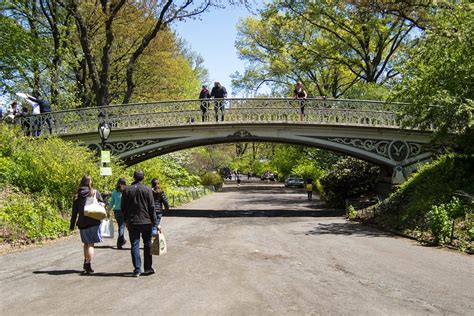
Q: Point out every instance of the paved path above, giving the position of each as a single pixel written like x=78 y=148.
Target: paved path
x=260 y=250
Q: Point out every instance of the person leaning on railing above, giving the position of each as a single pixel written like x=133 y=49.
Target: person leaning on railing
x=219 y=92
x=204 y=95
x=300 y=94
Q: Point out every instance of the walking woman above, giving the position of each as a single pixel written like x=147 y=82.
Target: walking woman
x=115 y=204
x=89 y=227
x=161 y=201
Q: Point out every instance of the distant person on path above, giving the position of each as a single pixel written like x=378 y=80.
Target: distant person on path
x=300 y=94
x=219 y=92
x=89 y=227
x=161 y=202
x=116 y=205
x=309 y=188
x=248 y=175
x=239 y=179
x=204 y=95
x=138 y=209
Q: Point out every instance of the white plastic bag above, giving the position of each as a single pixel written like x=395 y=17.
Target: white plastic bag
x=107 y=228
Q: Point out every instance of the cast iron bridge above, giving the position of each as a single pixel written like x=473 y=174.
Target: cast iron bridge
x=369 y=130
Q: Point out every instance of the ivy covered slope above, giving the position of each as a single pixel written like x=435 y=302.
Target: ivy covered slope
x=38 y=179
x=432 y=203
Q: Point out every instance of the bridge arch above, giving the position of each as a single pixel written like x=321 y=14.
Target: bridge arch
x=399 y=151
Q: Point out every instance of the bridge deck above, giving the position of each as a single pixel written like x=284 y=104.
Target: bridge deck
x=238 y=110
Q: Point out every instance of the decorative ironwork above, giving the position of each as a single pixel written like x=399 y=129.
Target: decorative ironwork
x=244 y=110
x=396 y=150
x=240 y=134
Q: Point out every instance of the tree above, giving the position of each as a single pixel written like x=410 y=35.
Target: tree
x=328 y=45
x=438 y=77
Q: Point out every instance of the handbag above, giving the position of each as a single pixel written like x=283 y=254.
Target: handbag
x=159 y=247
x=93 y=208
x=107 y=228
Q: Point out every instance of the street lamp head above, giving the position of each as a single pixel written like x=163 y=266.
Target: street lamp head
x=104 y=131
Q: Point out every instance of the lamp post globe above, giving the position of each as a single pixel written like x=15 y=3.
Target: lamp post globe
x=104 y=132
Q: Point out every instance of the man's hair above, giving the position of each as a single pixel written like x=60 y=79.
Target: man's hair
x=154 y=182
x=138 y=175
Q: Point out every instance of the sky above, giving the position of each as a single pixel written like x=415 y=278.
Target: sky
x=213 y=37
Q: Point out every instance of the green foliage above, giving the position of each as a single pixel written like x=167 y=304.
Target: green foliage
x=169 y=171
x=212 y=179
x=438 y=77
x=439 y=223
x=46 y=174
x=351 y=212
x=28 y=217
x=328 y=46
x=350 y=178
x=434 y=185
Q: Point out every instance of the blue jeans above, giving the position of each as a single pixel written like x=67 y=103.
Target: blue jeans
x=121 y=225
x=134 y=232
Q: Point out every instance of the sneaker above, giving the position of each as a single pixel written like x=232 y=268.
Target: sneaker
x=136 y=274
x=149 y=271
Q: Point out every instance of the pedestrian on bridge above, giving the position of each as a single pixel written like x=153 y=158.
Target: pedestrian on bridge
x=116 y=204
x=89 y=227
x=219 y=92
x=138 y=210
x=204 y=95
x=300 y=94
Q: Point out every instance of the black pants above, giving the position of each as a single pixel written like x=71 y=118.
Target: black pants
x=219 y=106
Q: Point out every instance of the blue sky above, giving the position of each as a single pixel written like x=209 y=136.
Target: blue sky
x=213 y=37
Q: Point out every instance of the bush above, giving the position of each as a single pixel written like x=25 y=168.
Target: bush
x=212 y=179
x=350 y=178
x=439 y=223
x=351 y=212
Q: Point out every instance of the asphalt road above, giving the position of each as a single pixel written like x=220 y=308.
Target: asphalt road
x=259 y=250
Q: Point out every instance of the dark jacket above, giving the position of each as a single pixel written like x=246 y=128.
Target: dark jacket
x=138 y=206
x=160 y=201
x=78 y=209
x=43 y=104
x=204 y=94
x=219 y=92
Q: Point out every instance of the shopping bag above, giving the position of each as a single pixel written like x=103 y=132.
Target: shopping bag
x=158 y=246
x=94 y=209
x=107 y=228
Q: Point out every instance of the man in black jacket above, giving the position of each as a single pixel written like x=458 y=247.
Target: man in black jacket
x=139 y=214
x=219 y=92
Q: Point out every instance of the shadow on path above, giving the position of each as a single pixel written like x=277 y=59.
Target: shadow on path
x=347 y=229
x=254 y=213
x=96 y=274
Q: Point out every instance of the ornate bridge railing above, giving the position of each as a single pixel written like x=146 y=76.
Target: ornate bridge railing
x=242 y=110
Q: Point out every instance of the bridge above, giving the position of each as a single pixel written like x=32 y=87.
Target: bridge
x=369 y=130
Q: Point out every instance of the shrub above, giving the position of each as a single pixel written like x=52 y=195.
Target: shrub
x=350 y=178
x=439 y=223
x=351 y=212
x=212 y=179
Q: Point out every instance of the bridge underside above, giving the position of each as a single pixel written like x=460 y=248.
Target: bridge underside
x=401 y=151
